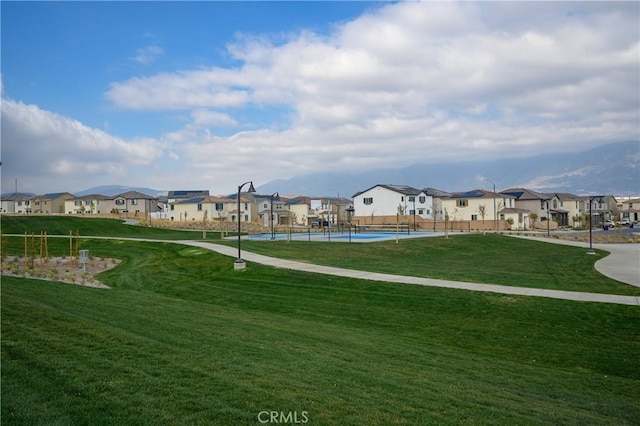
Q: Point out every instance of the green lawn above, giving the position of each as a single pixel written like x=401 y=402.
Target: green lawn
x=490 y=259
x=62 y=225
x=181 y=338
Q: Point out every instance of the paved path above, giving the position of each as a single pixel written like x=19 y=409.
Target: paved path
x=329 y=270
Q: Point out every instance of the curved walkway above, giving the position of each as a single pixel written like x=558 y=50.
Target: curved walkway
x=350 y=273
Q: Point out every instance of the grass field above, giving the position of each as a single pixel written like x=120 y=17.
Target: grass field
x=181 y=338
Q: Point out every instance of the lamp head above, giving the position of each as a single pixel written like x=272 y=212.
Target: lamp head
x=251 y=188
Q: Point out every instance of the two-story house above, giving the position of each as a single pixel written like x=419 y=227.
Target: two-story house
x=478 y=205
x=134 y=202
x=89 y=204
x=204 y=208
x=16 y=203
x=300 y=212
x=391 y=200
x=52 y=203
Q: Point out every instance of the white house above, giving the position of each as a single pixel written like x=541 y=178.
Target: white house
x=389 y=200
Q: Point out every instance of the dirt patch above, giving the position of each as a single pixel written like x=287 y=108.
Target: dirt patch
x=60 y=269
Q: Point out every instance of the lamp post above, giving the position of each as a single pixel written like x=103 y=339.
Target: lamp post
x=239 y=263
x=273 y=235
x=349 y=211
x=548 y=218
x=591 y=198
x=495 y=213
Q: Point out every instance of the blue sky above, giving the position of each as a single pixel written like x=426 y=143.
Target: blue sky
x=175 y=95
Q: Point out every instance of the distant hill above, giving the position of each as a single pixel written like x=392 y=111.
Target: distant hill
x=112 y=190
x=608 y=169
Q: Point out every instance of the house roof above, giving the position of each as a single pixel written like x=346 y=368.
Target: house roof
x=92 y=197
x=18 y=196
x=433 y=192
x=565 y=196
x=134 y=194
x=525 y=194
x=508 y=210
x=52 y=196
x=478 y=193
x=187 y=193
x=299 y=200
x=401 y=189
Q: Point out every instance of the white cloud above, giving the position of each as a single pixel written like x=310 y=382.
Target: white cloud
x=148 y=54
x=408 y=82
x=46 y=150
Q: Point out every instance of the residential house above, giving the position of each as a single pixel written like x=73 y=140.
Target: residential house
x=329 y=209
x=204 y=208
x=299 y=210
x=629 y=208
x=478 y=205
x=89 y=204
x=391 y=200
x=172 y=197
x=272 y=208
x=16 y=203
x=566 y=209
x=52 y=203
x=600 y=208
x=135 y=202
x=437 y=196
x=535 y=202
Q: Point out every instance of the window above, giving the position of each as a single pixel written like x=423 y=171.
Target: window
x=462 y=203
x=422 y=199
x=77 y=203
x=172 y=207
x=402 y=198
x=219 y=206
x=367 y=201
x=474 y=217
x=501 y=216
x=421 y=211
x=428 y=211
x=246 y=217
x=265 y=205
x=412 y=212
x=555 y=204
x=200 y=207
x=412 y=198
x=246 y=206
x=134 y=202
x=119 y=202
x=87 y=202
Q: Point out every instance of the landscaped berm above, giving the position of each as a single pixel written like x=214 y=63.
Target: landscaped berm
x=181 y=338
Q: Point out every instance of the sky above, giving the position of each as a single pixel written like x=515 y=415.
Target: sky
x=209 y=95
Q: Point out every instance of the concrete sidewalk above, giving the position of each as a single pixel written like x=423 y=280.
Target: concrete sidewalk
x=329 y=270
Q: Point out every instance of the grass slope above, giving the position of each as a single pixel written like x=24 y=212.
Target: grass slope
x=183 y=339
x=62 y=225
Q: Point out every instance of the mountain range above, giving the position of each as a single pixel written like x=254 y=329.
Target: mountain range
x=608 y=169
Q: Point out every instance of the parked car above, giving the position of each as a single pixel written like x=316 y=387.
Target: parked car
x=608 y=224
x=624 y=222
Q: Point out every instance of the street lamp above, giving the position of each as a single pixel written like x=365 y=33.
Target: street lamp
x=591 y=198
x=273 y=235
x=495 y=213
x=239 y=263
x=349 y=211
